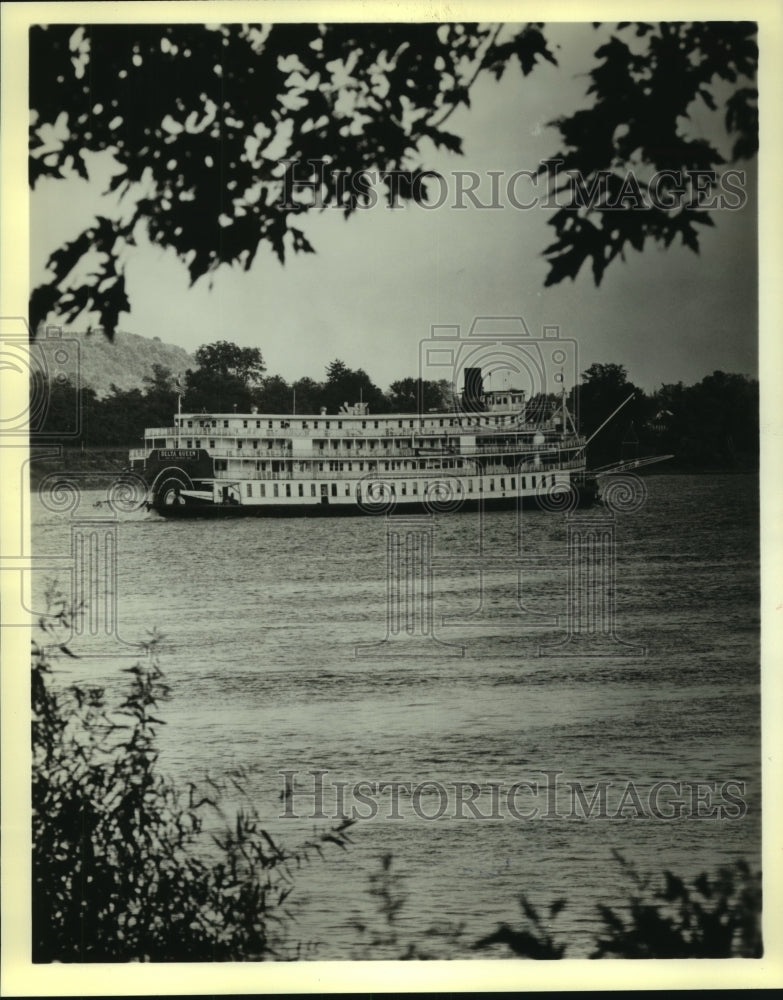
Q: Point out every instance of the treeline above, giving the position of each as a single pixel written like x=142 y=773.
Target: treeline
x=713 y=424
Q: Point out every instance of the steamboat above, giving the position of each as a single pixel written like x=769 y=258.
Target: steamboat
x=491 y=451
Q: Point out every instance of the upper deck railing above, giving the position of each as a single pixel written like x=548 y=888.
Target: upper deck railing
x=266 y=433
x=257 y=454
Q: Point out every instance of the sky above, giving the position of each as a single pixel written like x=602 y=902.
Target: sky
x=383 y=278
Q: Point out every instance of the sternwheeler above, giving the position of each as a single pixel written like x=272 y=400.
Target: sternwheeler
x=492 y=451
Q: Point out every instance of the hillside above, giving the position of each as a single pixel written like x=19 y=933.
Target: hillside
x=125 y=360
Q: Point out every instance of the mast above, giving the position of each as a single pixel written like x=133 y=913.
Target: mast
x=612 y=414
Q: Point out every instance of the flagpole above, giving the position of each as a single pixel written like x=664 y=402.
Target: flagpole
x=179 y=414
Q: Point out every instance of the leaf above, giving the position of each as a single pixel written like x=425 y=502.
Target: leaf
x=556 y=907
x=441 y=139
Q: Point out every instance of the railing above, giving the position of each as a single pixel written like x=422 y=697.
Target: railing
x=251 y=453
x=416 y=454
x=370 y=432
x=357 y=474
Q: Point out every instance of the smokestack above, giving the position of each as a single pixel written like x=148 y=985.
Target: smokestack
x=471 y=394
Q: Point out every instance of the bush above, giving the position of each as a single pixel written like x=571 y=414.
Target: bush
x=119 y=868
x=717 y=916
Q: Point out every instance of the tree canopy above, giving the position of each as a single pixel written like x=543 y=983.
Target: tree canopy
x=227 y=376
x=207 y=123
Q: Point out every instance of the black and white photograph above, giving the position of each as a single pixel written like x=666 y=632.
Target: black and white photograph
x=389 y=496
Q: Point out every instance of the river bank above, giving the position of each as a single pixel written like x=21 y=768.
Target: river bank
x=92 y=465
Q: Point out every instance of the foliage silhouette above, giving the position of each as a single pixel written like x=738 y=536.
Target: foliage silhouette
x=647 y=78
x=212 y=127
x=531 y=941
x=716 y=916
x=383 y=938
x=119 y=868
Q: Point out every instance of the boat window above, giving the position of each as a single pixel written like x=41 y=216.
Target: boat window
x=524 y=483
x=214 y=423
x=347 y=489
x=328 y=424
x=534 y=481
x=288 y=489
x=198 y=442
x=334 y=489
x=312 y=489
x=188 y=444
x=250 y=489
x=258 y=423
x=513 y=483
x=244 y=423
x=190 y=423
x=255 y=443
x=492 y=484
x=275 y=489
x=262 y=489
x=502 y=484
x=339 y=425
x=225 y=423
x=211 y=444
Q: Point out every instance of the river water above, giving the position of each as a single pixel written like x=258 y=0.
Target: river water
x=262 y=620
